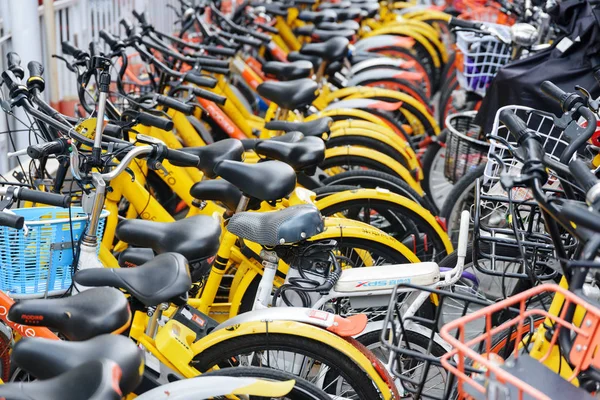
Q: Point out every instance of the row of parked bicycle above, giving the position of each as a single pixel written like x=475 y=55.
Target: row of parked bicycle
x=299 y=200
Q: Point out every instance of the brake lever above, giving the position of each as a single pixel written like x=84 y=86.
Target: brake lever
x=594 y=105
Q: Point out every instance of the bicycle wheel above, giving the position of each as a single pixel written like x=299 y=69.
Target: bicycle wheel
x=377 y=179
x=322 y=365
x=303 y=390
x=411 y=367
x=434 y=182
x=369 y=143
x=461 y=197
x=403 y=223
x=337 y=164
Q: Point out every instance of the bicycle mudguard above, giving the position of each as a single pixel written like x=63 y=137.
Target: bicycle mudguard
x=288 y=327
x=380 y=62
x=383 y=73
x=389 y=162
x=383 y=41
x=402 y=201
x=340 y=114
x=204 y=387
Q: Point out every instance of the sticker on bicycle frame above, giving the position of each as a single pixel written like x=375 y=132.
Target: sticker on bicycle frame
x=317 y=314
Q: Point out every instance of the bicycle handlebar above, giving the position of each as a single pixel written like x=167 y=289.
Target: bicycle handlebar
x=36 y=196
x=169 y=102
x=461 y=23
x=155 y=121
x=586 y=179
x=35 y=68
x=11 y=220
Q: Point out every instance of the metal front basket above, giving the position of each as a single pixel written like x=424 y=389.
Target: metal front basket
x=482 y=56
x=413 y=345
x=506 y=360
x=510 y=238
x=464 y=148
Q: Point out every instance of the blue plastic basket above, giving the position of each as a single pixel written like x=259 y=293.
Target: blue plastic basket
x=39 y=264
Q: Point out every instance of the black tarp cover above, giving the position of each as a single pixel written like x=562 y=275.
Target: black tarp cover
x=519 y=82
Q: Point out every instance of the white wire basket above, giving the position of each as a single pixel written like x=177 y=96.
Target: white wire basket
x=482 y=56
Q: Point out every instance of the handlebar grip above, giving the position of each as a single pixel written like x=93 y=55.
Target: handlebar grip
x=37 y=151
x=199 y=80
x=95 y=49
x=140 y=17
x=36 y=196
x=157 y=122
x=553 y=91
x=182 y=159
x=69 y=49
x=126 y=23
x=215 y=70
x=212 y=62
x=205 y=94
x=110 y=39
x=514 y=124
x=582 y=174
x=112 y=130
x=246 y=40
x=267 y=28
x=13 y=60
x=223 y=51
x=35 y=69
x=11 y=220
x=170 y=102
x=461 y=23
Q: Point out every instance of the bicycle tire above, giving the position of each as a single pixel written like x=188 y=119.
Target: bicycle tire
x=370 y=143
x=303 y=390
x=377 y=179
x=404 y=216
x=433 y=155
x=222 y=354
x=416 y=342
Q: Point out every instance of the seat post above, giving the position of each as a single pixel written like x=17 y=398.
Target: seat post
x=281 y=114
x=153 y=323
x=321 y=73
x=242 y=204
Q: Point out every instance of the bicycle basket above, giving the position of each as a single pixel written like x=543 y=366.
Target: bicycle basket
x=413 y=344
x=464 y=149
x=515 y=370
x=39 y=264
x=479 y=57
x=502 y=237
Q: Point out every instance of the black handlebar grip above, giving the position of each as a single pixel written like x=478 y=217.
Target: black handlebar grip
x=140 y=17
x=267 y=28
x=157 y=122
x=182 y=159
x=222 y=51
x=200 y=80
x=212 y=62
x=170 y=102
x=37 y=196
x=69 y=49
x=247 y=40
x=126 y=23
x=514 y=124
x=554 y=92
x=112 y=130
x=205 y=94
x=461 y=23
x=40 y=150
x=11 y=220
x=95 y=49
x=582 y=174
x=13 y=60
x=215 y=70
x=35 y=68
x=108 y=38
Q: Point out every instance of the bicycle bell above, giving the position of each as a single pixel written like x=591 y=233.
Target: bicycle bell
x=523 y=34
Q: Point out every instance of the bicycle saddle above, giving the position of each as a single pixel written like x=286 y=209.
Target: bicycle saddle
x=334 y=49
x=329 y=6
x=196 y=238
x=290 y=137
x=317 y=16
x=79 y=317
x=343 y=14
x=307 y=153
x=134 y=256
x=275 y=9
x=296 y=56
x=212 y=154
x=165 y=278
x=290 y=225
x=46 y=358
x=218 y=190
x=316 y=127
x=267 y=181
x=95 y=380
x=337 y=26
x=322 y=34
x=288 y=71
x=289 y=95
